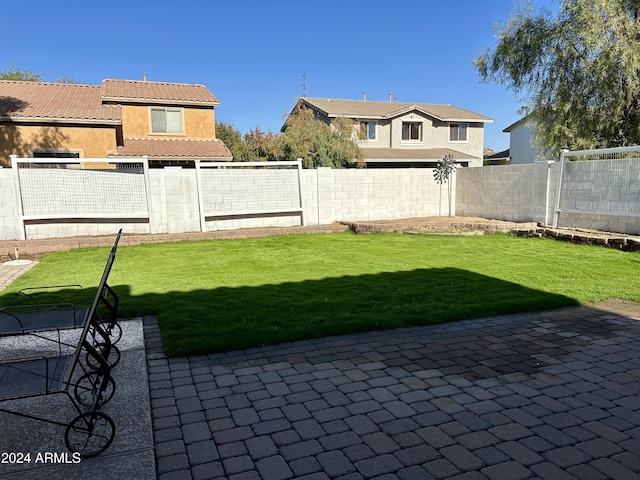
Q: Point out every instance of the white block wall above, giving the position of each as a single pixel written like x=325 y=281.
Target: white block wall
x=527 y=193
x=375 y=194
x=9 y=229
x=180 y=200
x=518 y=193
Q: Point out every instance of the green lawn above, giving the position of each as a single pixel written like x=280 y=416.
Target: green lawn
x=226 y=294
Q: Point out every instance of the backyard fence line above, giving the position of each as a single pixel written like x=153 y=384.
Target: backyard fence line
x=174 y=199
x=59 y=189
x=211 y=197
x=607 y=192
x=615 y=191
x=237 y=189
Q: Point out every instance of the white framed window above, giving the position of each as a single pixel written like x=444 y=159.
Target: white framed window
x=166 y=120
x=411 y=131
x=368 y=131
x=458 y=132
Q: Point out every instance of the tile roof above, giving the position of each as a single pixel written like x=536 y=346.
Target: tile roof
x=385 y=110
x=55 y=102
x=79 y=103
x=174 y=149
x=132 y=91
x=412 y=154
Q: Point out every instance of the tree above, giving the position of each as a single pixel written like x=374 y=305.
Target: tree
x=319 y=144
x=232 y=138
x=14 y=73
x=578 y=71
x=263 y=146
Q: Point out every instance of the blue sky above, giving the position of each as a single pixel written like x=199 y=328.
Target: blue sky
x=253 y=54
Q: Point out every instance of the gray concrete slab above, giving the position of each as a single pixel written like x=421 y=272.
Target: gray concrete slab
x=131 y=455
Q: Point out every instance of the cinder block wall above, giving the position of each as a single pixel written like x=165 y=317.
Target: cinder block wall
x=528 y=192
x=9 y=229
x=518 y=193
x=328 y=196
x=378 y=194
x=604 y=185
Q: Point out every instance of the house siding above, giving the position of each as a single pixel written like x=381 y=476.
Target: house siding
x=198 y=123
x=520 y=149
x=435 y=134
x=23 y=140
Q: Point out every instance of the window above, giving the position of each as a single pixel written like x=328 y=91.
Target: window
x=55 y=154
x=458 y=133
x=166 y=120
x=368 y=130
x=412 y=131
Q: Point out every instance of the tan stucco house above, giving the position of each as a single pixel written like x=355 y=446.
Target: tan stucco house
x=171 y=123
x=397 y=134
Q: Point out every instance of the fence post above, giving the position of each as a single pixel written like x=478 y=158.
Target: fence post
x=200 y=197
x=18 y=194
x=563 y=162
x=548 y=192
x=303 y=219
x=147 y=185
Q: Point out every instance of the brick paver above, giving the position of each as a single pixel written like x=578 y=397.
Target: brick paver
x=547 y=395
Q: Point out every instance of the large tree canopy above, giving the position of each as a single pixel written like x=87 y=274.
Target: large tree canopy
x=319 y=144
x=578 y=71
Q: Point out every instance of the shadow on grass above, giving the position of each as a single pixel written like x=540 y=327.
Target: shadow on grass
x=224 y=318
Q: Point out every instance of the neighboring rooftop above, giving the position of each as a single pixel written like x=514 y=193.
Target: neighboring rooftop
x=78 y=103
x=384 y=110
x=170 y=148
x=132 y=91
x=72 y=104
x=427 y=154
x=55 y=102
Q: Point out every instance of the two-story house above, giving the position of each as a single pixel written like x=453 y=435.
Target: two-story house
x=397 y=134
x=171 y=123
x=521 y=146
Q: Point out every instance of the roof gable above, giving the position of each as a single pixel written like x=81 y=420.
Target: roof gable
x=526 y=121
x=387 y=110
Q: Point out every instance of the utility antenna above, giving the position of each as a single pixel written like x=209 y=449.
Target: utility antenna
x=304 y=84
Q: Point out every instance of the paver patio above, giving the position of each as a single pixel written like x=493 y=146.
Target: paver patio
x=549 y=395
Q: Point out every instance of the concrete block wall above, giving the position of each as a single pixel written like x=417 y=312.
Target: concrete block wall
x=158 y=187
x=527 y=193
x=181 y=200
x=236 y=194
x=606 y=223
x=519 y=193
x=379 y=194
x=9 y=228
x=602 y=185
